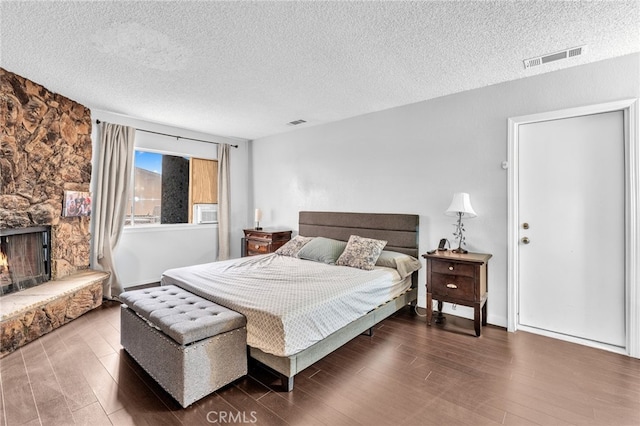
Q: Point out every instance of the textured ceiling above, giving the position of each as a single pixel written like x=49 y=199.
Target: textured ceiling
x=245 y=69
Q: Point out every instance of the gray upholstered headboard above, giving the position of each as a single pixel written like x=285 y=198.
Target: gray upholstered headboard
x=399 y=230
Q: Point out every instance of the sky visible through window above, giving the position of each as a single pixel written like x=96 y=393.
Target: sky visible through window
x=145 y=205
x=149 y=161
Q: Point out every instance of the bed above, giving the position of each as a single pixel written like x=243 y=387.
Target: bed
x=301 y=310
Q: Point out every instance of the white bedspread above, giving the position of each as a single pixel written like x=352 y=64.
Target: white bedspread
x=289 y=303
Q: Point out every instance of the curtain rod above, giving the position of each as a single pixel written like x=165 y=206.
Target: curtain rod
x=177 y=137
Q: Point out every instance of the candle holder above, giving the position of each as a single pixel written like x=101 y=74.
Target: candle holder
x=258 y=227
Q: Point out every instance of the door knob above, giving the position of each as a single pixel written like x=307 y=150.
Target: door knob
x=525 y=240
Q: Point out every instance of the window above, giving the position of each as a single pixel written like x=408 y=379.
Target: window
x=160 y=189
x=165 y=187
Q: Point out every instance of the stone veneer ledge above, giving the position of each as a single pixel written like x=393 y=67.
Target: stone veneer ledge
x=29 y=314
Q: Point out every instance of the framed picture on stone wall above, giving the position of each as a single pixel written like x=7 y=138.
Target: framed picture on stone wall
x=77 y=203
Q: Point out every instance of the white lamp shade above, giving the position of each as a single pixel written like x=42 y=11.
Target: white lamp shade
x=461 y=204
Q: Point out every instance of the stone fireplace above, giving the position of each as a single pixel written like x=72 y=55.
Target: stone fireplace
x=45 y=150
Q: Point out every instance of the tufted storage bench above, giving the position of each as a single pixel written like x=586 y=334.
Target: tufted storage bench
x=188 y=344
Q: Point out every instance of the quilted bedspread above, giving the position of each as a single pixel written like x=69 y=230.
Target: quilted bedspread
x=289 y=303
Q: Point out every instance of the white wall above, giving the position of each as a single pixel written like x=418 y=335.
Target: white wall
x=413 y=158
x=145 y=252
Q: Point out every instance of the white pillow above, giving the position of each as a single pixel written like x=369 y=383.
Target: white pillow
x=403 y=263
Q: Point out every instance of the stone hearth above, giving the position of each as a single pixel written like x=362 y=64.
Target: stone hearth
x=31 y=313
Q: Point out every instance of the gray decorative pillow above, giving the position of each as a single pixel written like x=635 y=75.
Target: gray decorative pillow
x=322 y=249
x=361 y=252
x=293 y=246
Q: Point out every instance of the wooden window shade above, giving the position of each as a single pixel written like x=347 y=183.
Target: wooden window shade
x=203 y=183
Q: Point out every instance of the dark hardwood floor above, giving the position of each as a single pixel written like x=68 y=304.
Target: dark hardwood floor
x=406 y=374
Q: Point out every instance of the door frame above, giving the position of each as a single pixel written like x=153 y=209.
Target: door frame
x=632 y=221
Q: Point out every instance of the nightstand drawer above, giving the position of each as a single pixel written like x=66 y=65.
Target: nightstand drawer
x=453 y=268
x=455 y=286
x=257 y=235
x=257 y=247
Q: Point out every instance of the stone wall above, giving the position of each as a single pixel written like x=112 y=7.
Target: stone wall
x=45 y=149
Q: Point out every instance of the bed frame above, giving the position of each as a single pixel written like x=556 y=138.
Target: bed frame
x=401 y=233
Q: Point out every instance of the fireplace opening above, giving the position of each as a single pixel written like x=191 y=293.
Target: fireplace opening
x=25 y=258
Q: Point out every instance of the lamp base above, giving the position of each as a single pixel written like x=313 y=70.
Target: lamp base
x=459 y=250
x=258 y=228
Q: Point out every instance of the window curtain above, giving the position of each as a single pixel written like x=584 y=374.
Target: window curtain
x=223 y=201
x=115 y=163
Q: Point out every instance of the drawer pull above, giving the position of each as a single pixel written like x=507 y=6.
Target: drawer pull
x=451 y=285
x=257 y=246
x=451 y=268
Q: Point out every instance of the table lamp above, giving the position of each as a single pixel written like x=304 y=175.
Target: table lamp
x=258 y=218
x=460 y=206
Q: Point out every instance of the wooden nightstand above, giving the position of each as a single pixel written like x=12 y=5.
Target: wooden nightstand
x=263 y=241
x=460 y=279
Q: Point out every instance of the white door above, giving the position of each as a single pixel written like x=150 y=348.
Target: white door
x=572 y=256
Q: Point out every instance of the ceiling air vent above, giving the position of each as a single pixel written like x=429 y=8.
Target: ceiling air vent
x=296 y=122
x=563 y=54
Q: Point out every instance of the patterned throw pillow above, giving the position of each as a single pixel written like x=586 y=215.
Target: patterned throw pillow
x=293 y=246
x=361 y=252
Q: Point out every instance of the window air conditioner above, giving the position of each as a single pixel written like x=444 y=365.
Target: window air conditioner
x=205 y=213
